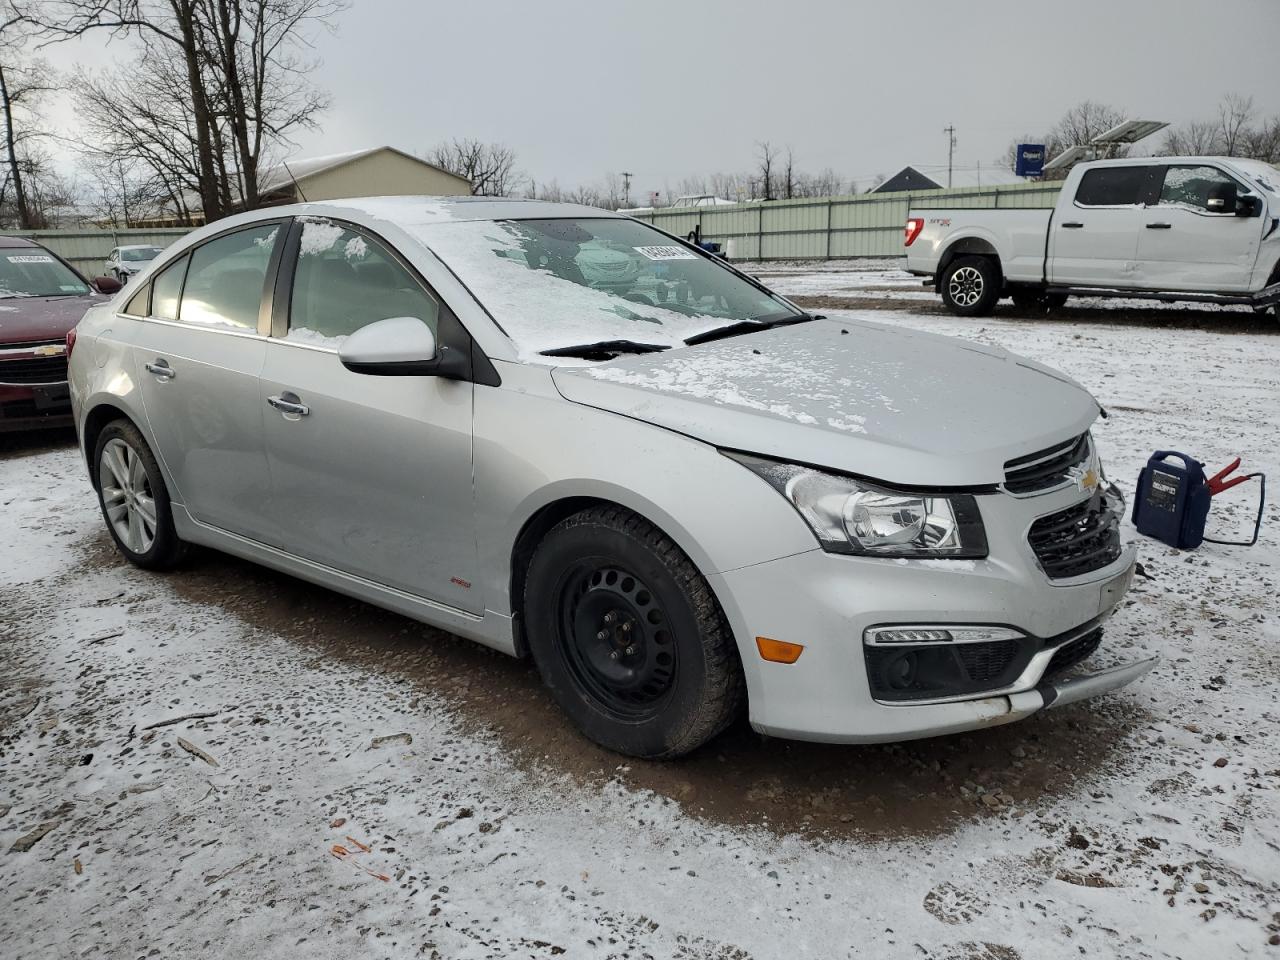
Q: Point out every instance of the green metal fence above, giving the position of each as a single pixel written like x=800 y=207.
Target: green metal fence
x=87 y=249
x=867 y=225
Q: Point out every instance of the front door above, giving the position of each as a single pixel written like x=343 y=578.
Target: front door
x=1093 y=241
x=197 y=362
x=1185 y=245
x=371 y=475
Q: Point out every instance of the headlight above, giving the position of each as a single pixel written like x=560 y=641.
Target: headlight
x=853 y=516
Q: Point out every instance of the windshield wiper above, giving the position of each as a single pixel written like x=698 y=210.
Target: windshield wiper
x=603 y=349
x=748 y=326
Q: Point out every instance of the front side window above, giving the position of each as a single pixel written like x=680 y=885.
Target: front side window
x=226 y=277
x=346 y=280
x=556 y=283
x=1189 y=187
x=33 y=272
x=1112 y=187
x=166 y=288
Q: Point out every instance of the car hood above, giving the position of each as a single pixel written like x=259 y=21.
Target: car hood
x=23 y=319
x=888 y=403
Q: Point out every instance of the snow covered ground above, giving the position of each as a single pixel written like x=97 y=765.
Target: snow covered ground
x=227 y=762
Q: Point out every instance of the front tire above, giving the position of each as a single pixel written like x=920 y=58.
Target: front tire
x=134 y=499
x=970 y=286
x=629 y=638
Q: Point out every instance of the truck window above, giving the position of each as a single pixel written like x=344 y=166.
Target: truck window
x=1112 y=187
x=1189 y=186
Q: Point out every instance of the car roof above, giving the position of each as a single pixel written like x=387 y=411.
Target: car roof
x=422 y=210
x=11 y=242
x=139 y=246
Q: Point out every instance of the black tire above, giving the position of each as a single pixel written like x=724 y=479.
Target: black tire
x=628 y=636
x=163 y=550
x=970 y=286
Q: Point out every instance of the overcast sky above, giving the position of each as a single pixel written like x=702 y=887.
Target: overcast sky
x=667 y=88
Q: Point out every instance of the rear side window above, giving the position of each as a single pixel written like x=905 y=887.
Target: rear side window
x=1112 y=187
x=166 y=288
x=224 y=284
x=346 y=280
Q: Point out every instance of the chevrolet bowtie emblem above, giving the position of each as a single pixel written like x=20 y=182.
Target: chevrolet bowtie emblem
x=1086 y=479
x=49 y=350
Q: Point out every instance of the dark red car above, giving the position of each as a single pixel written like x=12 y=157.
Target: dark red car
x=42 y=297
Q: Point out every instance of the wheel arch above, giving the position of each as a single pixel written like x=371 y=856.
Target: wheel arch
x=971 y=245
x=95 y=422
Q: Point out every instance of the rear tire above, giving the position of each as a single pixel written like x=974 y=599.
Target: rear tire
x=134 y=499
x=970 y=286
x=629 y=638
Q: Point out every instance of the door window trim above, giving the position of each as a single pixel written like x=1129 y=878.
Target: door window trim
x=1144 y=190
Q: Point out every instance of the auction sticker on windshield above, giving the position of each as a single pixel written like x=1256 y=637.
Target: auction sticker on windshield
x=30 y=259
x=666 y=253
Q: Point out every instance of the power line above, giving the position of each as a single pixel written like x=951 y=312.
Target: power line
x=950 y=131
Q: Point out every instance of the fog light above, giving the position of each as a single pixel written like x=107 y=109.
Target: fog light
x=901 y=672
x=920 y=635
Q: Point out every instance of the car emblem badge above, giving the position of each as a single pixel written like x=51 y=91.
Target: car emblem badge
x=49 y=350
x=1085 y=478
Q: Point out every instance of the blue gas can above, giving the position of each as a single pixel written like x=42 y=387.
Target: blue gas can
x=1172 y=501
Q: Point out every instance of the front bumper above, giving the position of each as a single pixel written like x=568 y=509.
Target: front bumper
x=826 y=602
x=34 y=406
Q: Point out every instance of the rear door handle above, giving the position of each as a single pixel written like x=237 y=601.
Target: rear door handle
x=1159 y=226
x=1073 y=225
x=161 y=369
x=289 y=405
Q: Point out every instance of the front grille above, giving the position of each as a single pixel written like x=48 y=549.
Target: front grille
x=984 y=662
x=1074 y=651
x=1047 y=468
x=34 y=370
x=1077 y=540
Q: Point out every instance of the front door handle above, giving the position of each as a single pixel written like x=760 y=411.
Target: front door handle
x=161 y=369
x=1073 y=225
x=1159 y=226
x=289 y=405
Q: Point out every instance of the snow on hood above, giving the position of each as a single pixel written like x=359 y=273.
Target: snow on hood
x=893 y=404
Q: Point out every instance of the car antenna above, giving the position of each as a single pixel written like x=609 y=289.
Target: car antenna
x=296 y=185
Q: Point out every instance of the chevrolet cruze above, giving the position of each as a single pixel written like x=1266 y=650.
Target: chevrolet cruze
x=676 y=492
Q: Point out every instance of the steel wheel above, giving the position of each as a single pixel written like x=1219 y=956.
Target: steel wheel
x=127 y=497
x=966 y=286
x=616 y=640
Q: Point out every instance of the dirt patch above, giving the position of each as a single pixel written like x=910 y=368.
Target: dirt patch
x=1214 y=321
x=919 y=788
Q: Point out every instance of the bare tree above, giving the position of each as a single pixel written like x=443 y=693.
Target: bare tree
x=789 y=177
x=1235 y=114
x=23 y=84
x=1194 y=139
x=490 y=167
x=1263 y=142
x=766 y=160
x=1082 y=123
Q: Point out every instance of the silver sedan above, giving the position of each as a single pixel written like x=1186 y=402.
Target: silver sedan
x=572 y=437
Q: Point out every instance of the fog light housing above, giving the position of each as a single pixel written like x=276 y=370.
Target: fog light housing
x=935 y=661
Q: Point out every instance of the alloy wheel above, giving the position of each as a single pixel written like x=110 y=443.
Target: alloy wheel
x=127 y=496
x=965 y=286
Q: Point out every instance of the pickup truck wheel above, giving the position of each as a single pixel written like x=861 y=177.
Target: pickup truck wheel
x=970 y=286
x=628 y=636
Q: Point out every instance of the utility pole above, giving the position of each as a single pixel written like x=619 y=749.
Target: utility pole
x=950 y=131
x=626 y=188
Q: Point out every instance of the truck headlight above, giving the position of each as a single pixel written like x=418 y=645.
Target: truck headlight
x=853 y=516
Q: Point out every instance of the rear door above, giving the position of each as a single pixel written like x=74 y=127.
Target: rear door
x=374 y=479
x=1184 y=245
x=1093 y=241
x=198 y=359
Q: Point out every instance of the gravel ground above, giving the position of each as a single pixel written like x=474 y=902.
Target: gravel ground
x=224 y=760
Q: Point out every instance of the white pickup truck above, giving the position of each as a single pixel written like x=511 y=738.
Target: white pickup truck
x=1164 y=228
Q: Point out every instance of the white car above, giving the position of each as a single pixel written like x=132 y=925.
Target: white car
x=1203 y=229
x=672 y=505
x=124 y=262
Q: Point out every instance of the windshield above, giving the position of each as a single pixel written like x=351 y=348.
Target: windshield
x=31 y=272
x=558 y=283
x=134 y=254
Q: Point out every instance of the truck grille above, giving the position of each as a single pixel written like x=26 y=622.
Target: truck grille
x=1046 y=469
x=34 y=370
x=1077 y=540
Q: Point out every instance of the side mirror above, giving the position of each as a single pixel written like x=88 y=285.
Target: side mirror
x=107 y=285
x=400 y=347
x=1222 y=198
x=1248 y=206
